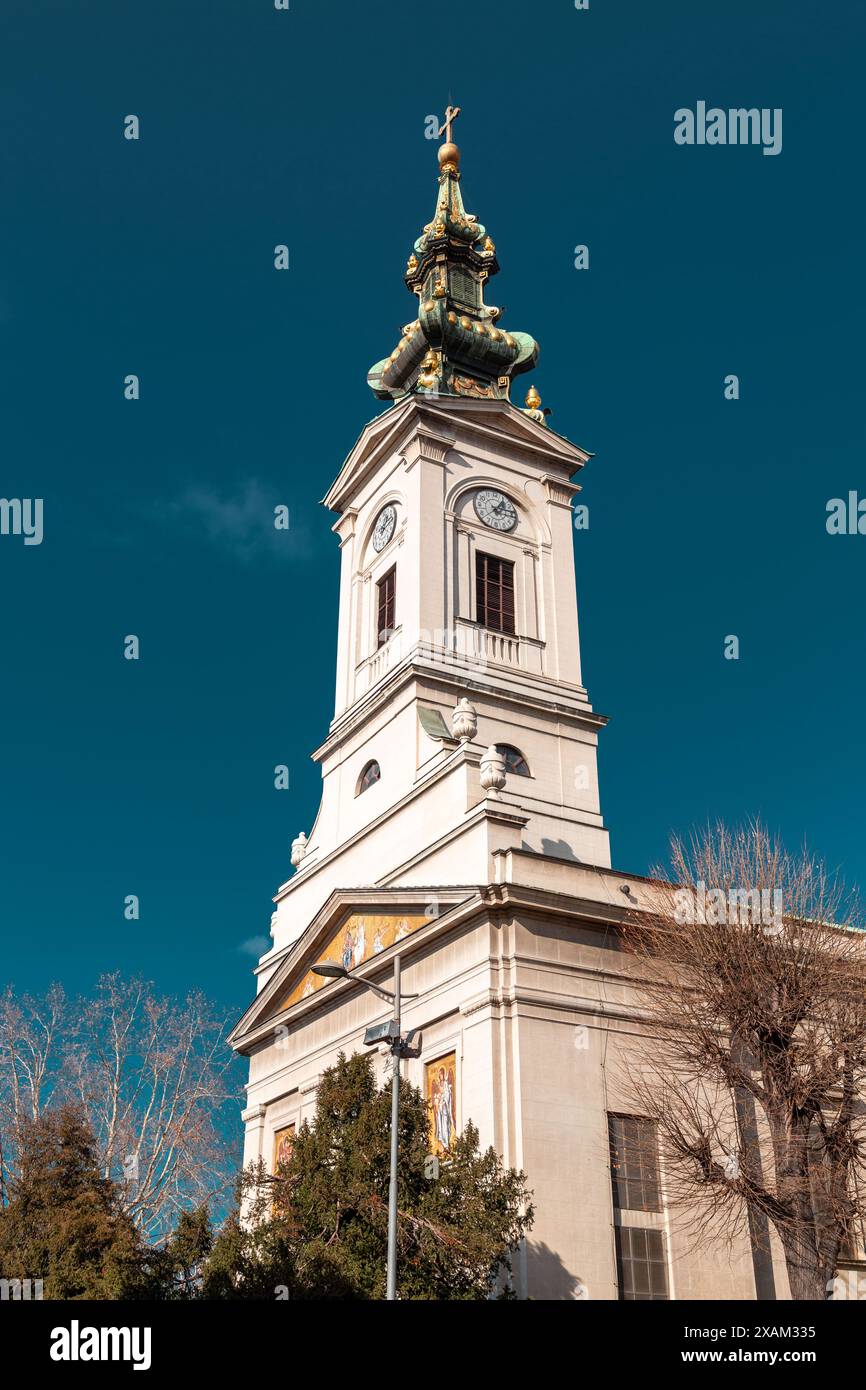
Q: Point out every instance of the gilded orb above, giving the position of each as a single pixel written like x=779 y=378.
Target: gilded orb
x=449 y=154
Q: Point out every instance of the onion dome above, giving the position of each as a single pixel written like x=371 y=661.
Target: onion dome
x=455 y=347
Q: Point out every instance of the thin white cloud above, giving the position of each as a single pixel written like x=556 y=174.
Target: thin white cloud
x=254 y=946
x=242 y=524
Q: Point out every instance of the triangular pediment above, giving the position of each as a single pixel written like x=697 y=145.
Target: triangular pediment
x=353 y=929
x=508 y=422
x=380 y=437
x=448 y=417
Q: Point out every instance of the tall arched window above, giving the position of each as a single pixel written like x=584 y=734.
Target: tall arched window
x=372 y=772
x=514 y=760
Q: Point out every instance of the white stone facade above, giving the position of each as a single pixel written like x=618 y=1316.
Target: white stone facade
x=517 y=965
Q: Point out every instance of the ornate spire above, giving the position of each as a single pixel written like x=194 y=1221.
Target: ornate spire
x=454 y=347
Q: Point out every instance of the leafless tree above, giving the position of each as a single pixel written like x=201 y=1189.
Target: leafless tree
x=753 y=982
x=153 y=1075
x=30 y=1039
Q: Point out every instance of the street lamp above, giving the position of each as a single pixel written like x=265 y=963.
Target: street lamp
x=400 y=1047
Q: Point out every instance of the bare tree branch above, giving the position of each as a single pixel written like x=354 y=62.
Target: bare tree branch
x=753 y=983
x=154 y=1076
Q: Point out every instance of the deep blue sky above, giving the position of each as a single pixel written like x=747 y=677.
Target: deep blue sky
x=707 y=517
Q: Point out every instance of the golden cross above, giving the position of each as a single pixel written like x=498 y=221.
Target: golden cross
x=451 y=114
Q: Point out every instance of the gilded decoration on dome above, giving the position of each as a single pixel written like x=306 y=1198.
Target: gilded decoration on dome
x=447 y=269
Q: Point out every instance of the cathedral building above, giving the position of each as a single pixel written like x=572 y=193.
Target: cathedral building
x=460 y=823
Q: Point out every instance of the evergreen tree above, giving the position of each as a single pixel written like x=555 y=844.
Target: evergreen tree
x=65 y=1224
x=186 y=1253
x=318 y=1227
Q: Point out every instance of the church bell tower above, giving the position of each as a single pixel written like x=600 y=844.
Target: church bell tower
x=459 y=829
x=461 y=724
x=459 y=844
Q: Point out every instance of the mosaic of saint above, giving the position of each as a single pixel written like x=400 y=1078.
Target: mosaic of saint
x=283 y=1142
x=440 y=1088
x=361 y=936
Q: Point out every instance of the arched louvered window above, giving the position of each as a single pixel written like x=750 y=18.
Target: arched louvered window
x=372 y=772
x=514 y=760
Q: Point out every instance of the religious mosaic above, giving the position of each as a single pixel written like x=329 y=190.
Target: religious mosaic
x=283 y=1142
x=440 y=1088
x=360 y=937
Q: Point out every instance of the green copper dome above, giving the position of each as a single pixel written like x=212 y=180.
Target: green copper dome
x=454 y=347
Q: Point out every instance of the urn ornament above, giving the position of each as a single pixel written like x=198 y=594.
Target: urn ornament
x=493 y=771
x=299 y=849
x=464 y=720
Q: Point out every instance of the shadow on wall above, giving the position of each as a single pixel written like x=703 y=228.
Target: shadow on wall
x=548 y=1277
x=559 y=849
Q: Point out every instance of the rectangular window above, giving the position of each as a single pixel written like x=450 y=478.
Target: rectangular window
x=634 y=1169
x=386 y=593
x=494 y=588
x=640 y=1264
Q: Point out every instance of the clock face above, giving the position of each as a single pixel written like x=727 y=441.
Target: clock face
x=385 y=523
x=494 y=509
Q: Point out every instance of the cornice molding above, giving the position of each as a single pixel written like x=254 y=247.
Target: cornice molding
x=559 y=492
x=345 y=525
x=428 y=445
x=489 y=902
x=455 y=679
x=416 y=425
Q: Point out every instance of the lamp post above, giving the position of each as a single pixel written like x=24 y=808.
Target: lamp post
x=400 y=1047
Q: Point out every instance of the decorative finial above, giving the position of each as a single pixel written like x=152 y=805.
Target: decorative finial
x=493 y=771
x=533 y=409
x=464 y=720
x=449 y=153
